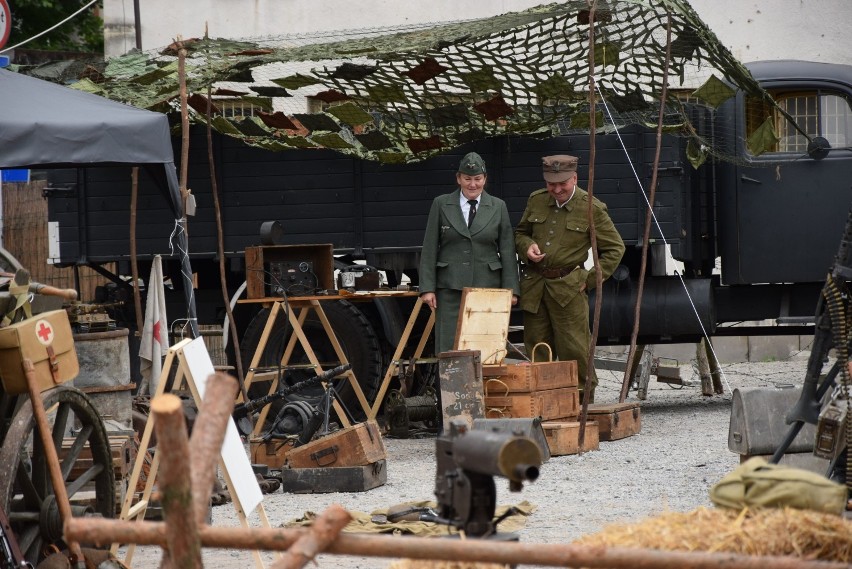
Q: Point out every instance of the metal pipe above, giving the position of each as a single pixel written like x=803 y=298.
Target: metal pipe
x=549 y=554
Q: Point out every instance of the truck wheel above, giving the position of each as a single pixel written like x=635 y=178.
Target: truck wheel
x=356 y=336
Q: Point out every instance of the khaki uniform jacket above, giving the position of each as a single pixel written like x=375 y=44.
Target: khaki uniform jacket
x=563 y=234
x=454 y=257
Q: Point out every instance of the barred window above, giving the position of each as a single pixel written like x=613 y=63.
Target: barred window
x=818 y=113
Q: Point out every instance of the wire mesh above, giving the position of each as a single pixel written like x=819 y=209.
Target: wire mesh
x=406 y=93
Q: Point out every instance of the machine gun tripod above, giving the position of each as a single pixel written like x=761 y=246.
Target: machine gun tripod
x=467 y=462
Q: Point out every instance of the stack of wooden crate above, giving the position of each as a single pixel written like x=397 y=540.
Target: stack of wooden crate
x=548 y=390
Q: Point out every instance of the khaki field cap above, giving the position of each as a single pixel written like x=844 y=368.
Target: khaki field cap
x=472 y=164
x=558 y=168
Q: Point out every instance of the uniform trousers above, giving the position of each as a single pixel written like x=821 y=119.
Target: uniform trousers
x=565 y=329
x=446 y=318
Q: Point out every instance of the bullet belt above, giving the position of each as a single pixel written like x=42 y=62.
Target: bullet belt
x=552 y=273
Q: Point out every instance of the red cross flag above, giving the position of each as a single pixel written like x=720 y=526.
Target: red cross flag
x=155 y=338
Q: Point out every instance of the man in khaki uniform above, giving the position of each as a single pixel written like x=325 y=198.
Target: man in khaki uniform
x=553 y=240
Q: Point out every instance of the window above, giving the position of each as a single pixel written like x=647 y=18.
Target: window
x=818 y=113
x=232 y=108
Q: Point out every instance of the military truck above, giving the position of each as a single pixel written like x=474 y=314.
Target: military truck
x=755 y=234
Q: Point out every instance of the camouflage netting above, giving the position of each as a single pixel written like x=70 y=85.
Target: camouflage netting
x=404 y=94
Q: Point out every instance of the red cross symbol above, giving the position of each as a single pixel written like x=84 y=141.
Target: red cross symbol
x=44 y=331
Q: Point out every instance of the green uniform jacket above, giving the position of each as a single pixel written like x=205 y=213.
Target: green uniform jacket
x=454 y=257
x=563 y=234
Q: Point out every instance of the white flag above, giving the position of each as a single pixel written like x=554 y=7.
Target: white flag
x=155 y=338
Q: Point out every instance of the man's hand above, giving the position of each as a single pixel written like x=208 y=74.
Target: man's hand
x=429 y=299
x=534 y=254
x=515 y=301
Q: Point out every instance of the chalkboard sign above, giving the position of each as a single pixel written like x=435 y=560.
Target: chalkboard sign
x=462 y=395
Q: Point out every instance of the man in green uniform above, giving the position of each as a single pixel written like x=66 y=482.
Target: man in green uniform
x=468 y=243
x=553 y=240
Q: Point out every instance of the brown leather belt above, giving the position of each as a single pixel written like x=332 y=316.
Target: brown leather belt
x=552 y=273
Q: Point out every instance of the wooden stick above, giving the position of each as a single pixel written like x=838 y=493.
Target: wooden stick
x=208 y=434
x=549 y=554
x=51 y=457
x=184 y=544
x=321 y=534
x=625 y=382
x=134 y=265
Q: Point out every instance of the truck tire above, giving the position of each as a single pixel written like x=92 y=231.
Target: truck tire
x=356 y=336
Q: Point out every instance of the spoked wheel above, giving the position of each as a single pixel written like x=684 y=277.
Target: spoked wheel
x=25 y=488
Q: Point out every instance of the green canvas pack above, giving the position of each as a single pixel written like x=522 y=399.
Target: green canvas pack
x=758 y=484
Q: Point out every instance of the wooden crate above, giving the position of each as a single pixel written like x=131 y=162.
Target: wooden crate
x=526 y=377
x=548 y=404
x=271 y=453
x=258 y=260
x=616 y=420
x=563 y=437
x=123 y=451
x=334 y=479
x=358 y=445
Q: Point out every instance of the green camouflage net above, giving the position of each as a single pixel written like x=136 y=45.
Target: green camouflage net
x=404 y=94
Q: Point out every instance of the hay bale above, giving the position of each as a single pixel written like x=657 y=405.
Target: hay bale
x=784 y=532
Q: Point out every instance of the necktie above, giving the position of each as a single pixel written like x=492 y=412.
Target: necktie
x=472 y=213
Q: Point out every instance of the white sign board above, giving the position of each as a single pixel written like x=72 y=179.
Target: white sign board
x=234 y=457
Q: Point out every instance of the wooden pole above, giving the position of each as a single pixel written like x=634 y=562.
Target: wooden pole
x=588 y=393
x=321 y=534
x=208 y=434
x=220 y=248
x=715 y=370
x=134 y=267
x=182 y=539
x=646 y=235
x=520 y=553
x=52 y=458
x=703 y=368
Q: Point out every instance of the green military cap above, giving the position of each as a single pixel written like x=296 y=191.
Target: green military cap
x=558 y=168
x=472 y=164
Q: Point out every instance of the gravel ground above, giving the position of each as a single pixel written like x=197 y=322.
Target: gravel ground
x=681 y=451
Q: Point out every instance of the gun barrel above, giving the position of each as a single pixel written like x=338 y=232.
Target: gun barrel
x=498 y=454
x=244 y=409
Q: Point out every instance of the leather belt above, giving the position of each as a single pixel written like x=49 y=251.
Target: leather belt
x=553 y=273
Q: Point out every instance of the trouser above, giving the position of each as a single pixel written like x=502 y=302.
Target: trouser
x=565 y=329
x=446 y=318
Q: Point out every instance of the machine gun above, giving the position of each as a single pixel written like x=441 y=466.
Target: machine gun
x=468 y=461
x=242 y=410
x=831 y=314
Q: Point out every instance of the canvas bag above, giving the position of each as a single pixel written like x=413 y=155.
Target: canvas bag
x=756 y=483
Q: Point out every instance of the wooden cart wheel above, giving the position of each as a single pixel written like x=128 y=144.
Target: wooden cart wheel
x=26 y=492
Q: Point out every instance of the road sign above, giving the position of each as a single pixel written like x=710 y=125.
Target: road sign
x=5 y=22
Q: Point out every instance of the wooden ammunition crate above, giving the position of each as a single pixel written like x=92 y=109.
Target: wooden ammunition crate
x=334 y=479
x=548 y=404
x=358 y=445
x=271 y=453
x=123 y=451
x=616 y=420
x=563 y=437
x=527 y=377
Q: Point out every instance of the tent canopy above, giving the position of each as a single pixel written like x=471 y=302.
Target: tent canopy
x=47 y=125
x=44 y=124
